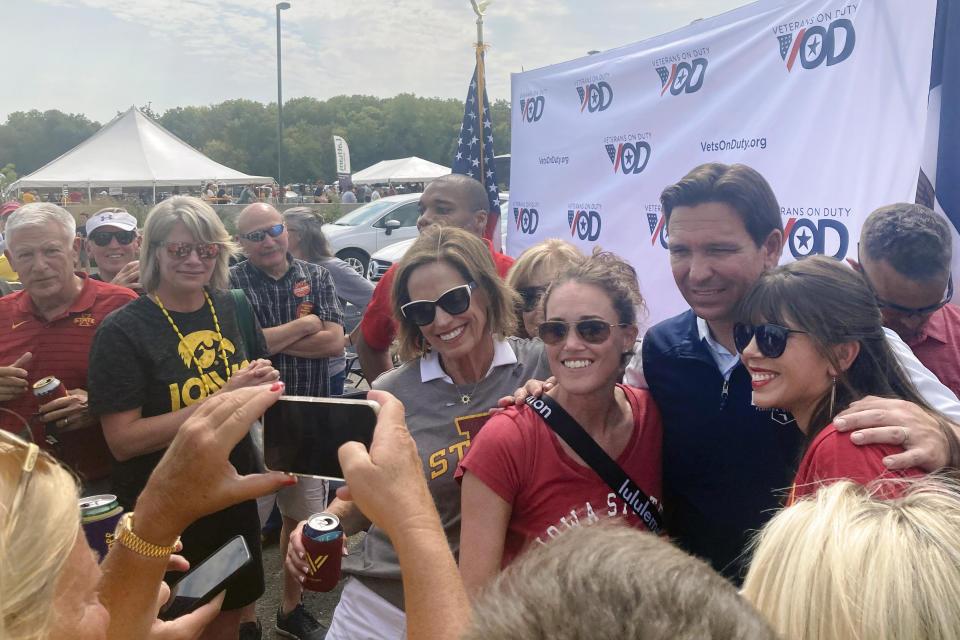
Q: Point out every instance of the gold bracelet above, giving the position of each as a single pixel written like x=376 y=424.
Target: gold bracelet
x=125 y=536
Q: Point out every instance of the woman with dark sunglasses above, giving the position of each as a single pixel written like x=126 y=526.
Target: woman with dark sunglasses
x=454 y=313
x=521 y=483
x=812 y=338
x=156 y=360
x=529 y=276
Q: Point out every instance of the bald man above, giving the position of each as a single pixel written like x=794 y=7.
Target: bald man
x=453 y=200
x=296 y=305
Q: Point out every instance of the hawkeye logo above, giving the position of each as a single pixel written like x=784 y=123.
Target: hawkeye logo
x=531 y=109
x=527 y=219
x=658 y=225
x=683 y=72
x=314 y=563
x=806 y=237
x=595 y=93
x=209 y=352
x=816 y=44
x=584 y=220
x=204 y=346
x=629 y=154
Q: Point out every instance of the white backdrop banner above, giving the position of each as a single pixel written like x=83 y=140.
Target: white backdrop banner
x=827 y=99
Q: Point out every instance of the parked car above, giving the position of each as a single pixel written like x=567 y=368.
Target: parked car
x=381 y=260
x=357 y=235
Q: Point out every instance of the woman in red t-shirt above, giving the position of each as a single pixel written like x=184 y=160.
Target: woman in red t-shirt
x=811 y=336
x=520 y=482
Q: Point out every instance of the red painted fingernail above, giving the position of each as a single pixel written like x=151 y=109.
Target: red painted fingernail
x=276 y=386
x=290 y=481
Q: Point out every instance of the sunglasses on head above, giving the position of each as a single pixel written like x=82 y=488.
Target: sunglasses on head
x=771 y=338
x=182 y=250
x=260 y=234
x=530 y=297
x=454 y=301
x=103 y=238
x=591 y=331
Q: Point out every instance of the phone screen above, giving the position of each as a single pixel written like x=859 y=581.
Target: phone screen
x=205 y=580
x=301 y=435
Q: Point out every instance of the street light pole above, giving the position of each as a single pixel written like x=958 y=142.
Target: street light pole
x=280 y=7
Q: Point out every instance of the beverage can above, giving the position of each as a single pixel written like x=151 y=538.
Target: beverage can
x=49 y=388
x=322 y=540
x=99 y=516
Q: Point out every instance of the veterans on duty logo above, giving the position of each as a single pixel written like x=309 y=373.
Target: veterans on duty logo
x=629 y=153
x=826 y=236
x=531 y=108
x=595 y=93
x=584 y=220
x=657 y=223
x=526 y=217
x=683 y=72
x=827 y=37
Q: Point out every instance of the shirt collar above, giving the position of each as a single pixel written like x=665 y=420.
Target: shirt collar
x=291 y=264
x=725 y=360
x=83 y=302
x=430 y=368
x=935 y=328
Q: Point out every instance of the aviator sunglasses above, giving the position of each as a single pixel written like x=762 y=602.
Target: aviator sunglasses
x=182 y=250
x=260 y=234
x=530 y=297
x=771 y=338
x=454 y=301
x=590 y=331
x=103 y=238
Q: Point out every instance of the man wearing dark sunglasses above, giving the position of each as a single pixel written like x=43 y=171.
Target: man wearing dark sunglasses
x=904 y=255
x=724 y=461
x=454 y=200
x=113 y=241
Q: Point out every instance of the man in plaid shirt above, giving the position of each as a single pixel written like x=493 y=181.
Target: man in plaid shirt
x=297 y=307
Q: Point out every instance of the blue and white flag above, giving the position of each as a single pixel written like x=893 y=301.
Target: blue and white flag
x=474 y=154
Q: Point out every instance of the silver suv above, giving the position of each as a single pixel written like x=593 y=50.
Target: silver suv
x=367 y=229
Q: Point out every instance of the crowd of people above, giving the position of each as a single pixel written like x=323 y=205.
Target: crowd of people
x=541 y=465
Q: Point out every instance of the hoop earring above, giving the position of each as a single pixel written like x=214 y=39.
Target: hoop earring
x=833 y=396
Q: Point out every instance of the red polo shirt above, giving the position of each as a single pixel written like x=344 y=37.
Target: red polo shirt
x=61 y=348
x=378 y=324
x=938 y=346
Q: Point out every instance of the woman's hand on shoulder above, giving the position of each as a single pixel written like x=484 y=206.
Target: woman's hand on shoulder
x=534 y=388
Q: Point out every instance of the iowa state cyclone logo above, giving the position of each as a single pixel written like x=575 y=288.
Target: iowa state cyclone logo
x=597 y=96
x=584 y=224
x=531 y=109
x=817 y=44
x=629 y=157
x=683 y=77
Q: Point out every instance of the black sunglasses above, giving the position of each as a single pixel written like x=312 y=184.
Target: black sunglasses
x=260 y=234
x=771 y=338
x=103 y=238
x=530 y=297
x=454 y=301
x=182 y=250
x=592 y=331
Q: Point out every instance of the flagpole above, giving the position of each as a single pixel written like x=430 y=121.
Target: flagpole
x=481 y=89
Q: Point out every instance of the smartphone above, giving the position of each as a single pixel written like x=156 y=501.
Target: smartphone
x=301 y=435
x=204 y=581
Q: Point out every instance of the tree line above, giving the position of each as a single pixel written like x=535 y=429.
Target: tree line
x=242 y=134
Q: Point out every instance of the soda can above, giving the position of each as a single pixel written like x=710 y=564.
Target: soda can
x=322 y=540
x=99 y=515
x=48 y=389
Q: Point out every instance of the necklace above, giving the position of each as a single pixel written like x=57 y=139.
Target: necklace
x=466 y=397
x=183 y=341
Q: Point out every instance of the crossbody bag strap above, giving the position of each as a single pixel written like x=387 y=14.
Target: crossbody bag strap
x=244 y=319
x=599 y=460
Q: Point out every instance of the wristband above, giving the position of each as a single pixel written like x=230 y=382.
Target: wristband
x=125 y=536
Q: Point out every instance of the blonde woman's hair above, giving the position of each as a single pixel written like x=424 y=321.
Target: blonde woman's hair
x=202 y=222
x=34 y=543
x=544 y=259
x=846 y=564
x=469 y=255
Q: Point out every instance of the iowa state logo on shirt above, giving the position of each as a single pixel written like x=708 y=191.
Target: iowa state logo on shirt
x=85 y=320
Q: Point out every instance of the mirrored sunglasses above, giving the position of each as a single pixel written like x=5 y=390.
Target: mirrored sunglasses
x=182 y=250
x=591 y=331
x=530 y=297
x=103 y=238
x=260 y=234
x=771 y=338
x=454 y=301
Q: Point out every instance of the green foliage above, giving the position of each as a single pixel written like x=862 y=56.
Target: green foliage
x=242 y=134
x=7 y=176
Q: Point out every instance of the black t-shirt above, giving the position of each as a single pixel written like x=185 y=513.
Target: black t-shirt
x=137 y=360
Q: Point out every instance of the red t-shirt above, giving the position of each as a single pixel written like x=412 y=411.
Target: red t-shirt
x=379 y=326
x=938 y=346
x=519 y=457
x=61 y=348
x=832 y=456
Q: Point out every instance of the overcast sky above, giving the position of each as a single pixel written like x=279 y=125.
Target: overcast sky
x=98 y=57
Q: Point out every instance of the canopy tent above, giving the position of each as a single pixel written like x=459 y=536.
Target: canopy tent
x=133 y=150
x=412 y=169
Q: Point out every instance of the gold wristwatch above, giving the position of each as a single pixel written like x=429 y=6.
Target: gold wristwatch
x=125 y=536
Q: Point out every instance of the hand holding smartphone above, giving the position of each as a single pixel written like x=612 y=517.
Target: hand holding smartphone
x=204 y=581
x=301 y=435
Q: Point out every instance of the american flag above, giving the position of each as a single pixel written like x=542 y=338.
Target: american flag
x=474 y=154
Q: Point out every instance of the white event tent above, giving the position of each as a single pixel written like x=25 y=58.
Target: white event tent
x=133 y=150
x=412 y=169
